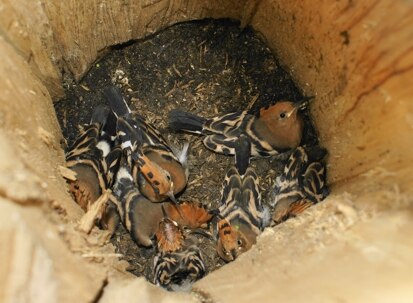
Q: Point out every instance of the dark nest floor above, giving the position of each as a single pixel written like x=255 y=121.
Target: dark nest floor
x=207 y=67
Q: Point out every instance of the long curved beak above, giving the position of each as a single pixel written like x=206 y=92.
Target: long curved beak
x=175 y=201
x=303 y=103
x=234 y=254
x=171 y=196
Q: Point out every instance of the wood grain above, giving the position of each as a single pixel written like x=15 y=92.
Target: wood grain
x=356 y=57
x=351 y=55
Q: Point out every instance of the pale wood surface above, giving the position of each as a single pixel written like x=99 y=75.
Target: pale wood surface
x=334 y=252
x=355 y=57
x=36 y=265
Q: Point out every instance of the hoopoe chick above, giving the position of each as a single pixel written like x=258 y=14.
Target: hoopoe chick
x=144 y=219
x=176 y=266
x=159 y=173
x=95 y=160
x=301 y=184
x=271 y=130
x=169 y=236
x=138 y=214
x=188 y=214
x=153 y=181
x=178 y=270
x=86 y=159
x=242 y=217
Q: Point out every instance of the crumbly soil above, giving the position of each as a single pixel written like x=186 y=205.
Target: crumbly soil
x=207 y=67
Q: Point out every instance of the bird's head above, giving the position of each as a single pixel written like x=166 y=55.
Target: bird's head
x=169 y=235
x=283 y=113
x=284 y=122
x=159 y=179
x=231 y=242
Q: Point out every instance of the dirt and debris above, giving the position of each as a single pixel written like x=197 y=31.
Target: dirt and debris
x=207 y=67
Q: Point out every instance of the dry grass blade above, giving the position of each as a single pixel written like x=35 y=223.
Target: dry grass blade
x=252 y=102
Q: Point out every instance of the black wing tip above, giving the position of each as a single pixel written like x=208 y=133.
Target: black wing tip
x=177 y=113
x=242 y=154
x=112 y=90
x=100 y=114
x=182 y=120
x=316 y=152
x=116 y=101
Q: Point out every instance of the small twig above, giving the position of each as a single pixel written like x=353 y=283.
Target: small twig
x=200 y=86
x=252 y=102
x=96 y=210
x=85 y=87
x=177 y=71
x=171 y=91
x=202 y=43
x=67 y=173
x=226 y=61
x=65 y=118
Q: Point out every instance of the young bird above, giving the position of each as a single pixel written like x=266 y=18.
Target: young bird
x=94 y=160
x=170 y=235
x=138 y=214
x=159 y=173
x=176 y=266
x=271 y=130
x=242 y=216
x=189 y=214
x=302 y=183
x=178 y=270
x=143 y=219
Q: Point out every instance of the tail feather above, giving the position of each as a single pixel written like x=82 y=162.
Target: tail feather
x=110 y=126
x=242 y=154
x=180 y=120
x=100 y=115
x=117 y=103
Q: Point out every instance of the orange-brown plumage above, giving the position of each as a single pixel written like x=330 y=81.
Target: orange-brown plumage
x=233 y=239
x=227 y=245
x=274 y=129
x=301 y=184
x=188 y=214
x=283 y=125
x=171 y=174
x=157 y=182
x=160 y=174
x=285 y=210
x=169 y=236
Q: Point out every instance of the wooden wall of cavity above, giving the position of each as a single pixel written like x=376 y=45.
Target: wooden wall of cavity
x=355 y=57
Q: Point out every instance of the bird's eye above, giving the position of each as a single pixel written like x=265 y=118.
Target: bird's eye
x=282 y=115
x=239 y=243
